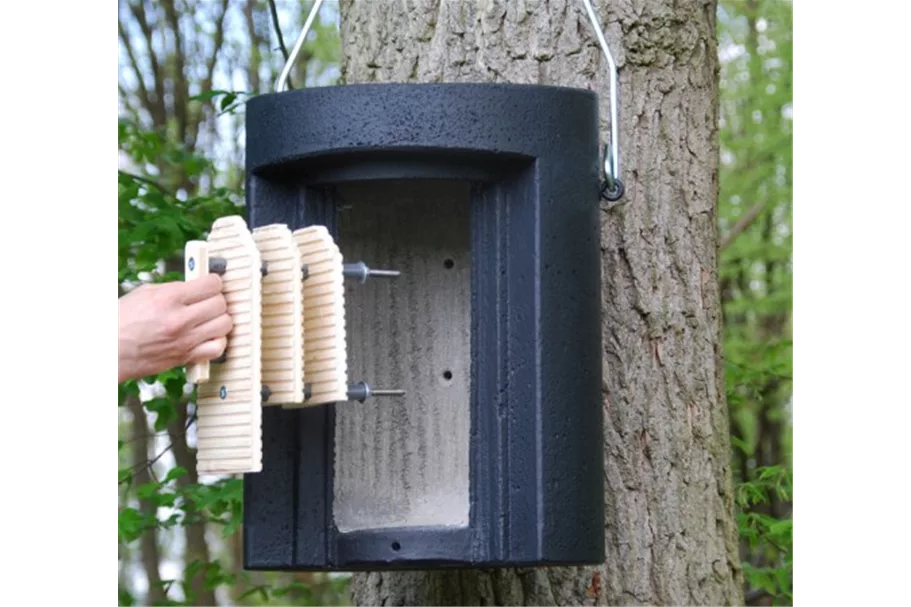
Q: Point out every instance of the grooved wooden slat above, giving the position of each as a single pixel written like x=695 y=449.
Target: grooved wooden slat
x=324 y=314
x=282 y=303
x=229 y=404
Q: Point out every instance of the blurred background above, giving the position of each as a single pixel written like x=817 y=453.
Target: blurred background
x=185 y=70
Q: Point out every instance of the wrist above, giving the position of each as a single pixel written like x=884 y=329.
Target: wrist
x=126 y=362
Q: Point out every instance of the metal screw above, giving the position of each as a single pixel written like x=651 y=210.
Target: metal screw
x=223 y=393
x=361 y=271
x=359 y=391
x=191 y=264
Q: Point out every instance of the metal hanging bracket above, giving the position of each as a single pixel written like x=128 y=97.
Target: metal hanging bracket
x=612 y=188
x=281 y=84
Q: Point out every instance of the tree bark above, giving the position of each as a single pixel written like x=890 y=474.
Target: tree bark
x=148 y=543
x=670 y=532
x=197 y=548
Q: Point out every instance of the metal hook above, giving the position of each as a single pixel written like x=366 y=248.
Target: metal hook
x=612 y=189
x=282 y=83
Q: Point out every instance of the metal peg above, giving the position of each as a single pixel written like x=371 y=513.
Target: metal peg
x=218 y=265
x=361 y=391
x=358 y=391
x=361 y=271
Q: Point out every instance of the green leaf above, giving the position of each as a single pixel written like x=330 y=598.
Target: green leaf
x=192 y=568
x=146 y=490
x=227 y=100
x=281 y=591
x=165 y=500
x=207 y=95
x=175 y=473
x=235 y=519
x=781 y=528
x=130 y=524
x=262 y=590
x=126 y=389
x=165 y=411
x=125 y=475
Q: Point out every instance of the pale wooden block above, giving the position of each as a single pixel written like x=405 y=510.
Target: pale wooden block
x=229 y=404
x=282 y=315
x=196 y=265
x=325 y=352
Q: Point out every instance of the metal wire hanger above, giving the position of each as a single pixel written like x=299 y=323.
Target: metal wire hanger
x=612 y=187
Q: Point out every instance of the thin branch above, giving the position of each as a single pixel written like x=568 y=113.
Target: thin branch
x=255 y=46
x=145 y=436
x=148 y=465
x=217 y=42
x=127 y=105
x=180 y=84
x=146 y=181
x=156 y=107
x=144 y=97
x=278 y=32
x=748 y=218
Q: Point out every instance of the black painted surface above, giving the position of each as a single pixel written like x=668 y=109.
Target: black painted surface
x=536 y=433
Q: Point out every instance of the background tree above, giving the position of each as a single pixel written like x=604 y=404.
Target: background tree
x=185 y=67
x=671 y=533
x=181 y=148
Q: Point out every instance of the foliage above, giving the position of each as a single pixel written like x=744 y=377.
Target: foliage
x=156 y=217
x=769 y=537
x=170 y=192
x=756 y=277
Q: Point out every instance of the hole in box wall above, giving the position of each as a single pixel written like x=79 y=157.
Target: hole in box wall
x=404 y=461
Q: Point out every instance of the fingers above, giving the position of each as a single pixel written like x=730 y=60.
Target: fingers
x=207 y=350
x=203 y=311
x=200 y=289
x=214 y=328
x=210 y=338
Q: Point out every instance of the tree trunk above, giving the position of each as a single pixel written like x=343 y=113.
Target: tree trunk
x=148 y=543
x=197 y=548
x=670 y=530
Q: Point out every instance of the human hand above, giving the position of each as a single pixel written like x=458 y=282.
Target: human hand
x=168 y=325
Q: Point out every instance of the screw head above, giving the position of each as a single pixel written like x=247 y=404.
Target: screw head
x=223 y=393
x=191 y=264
